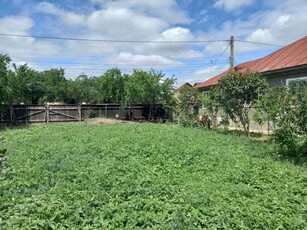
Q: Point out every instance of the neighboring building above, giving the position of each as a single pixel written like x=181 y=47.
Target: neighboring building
x=282 y=66
x=177 y=91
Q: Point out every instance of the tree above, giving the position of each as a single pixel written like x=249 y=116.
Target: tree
x=268 y=107
x=112 y=86
x=27 y=84
x=291 y=119
x=5 y=90
x=237 y=93
x=4 y=79
x=54 y=86
x=85 y=89
x=188 y=102
x=148 y=88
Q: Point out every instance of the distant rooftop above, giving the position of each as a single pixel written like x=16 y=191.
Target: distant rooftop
x=292 y=55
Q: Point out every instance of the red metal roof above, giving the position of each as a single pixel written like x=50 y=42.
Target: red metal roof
x=292 y=55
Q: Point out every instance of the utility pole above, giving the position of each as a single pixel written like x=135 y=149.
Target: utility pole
x=232 y=51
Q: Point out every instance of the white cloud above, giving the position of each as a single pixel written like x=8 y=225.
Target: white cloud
x=177 y=34
x=167 y=10
x=143 y=61
x=48 y=8
x=230 y=5
x=12 y=44
x=172 y=50
x=283 y=30
x=16 y=24
x=69 y=18
x=203 y=74
x=280 y=23
x=121 y=23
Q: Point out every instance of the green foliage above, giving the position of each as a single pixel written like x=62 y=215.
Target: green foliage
x=187 y=106
x=212 y=105
x=146 y=176
x=237 y=93
x=268 y=107
x=25 y=85
x=112 y=86
x=149 y=88
x=4 y=79
x=285 y=108
x=291 y=120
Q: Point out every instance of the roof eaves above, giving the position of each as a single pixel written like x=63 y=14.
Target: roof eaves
x=292 y=68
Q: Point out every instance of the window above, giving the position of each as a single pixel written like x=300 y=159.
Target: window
x=206 y=93
x=293 y=79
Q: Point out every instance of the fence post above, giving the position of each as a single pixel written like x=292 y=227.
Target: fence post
x=47 y=113
x=80 y=112
x=106 y=113
x=11 y=114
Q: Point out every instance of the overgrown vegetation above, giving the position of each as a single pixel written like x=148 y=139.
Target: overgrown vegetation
x=187 y=106
x=237 y=92
x=25 y=85
x=146 y=176
x=285 y=108
x=282 y=108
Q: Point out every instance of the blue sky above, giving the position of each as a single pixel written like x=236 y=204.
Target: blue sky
x=274 y=22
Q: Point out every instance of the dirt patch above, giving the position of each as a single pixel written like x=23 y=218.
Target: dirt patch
x=107 y=121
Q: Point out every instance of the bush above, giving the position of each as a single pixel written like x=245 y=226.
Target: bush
x=286 y=107
x=237 y=93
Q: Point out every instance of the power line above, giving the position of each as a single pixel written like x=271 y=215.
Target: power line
x=120 y=64
x=214 y=61
x=77 y=55
x=106 y=68
x=259 y=43
x=110 y=40
x=133 y=41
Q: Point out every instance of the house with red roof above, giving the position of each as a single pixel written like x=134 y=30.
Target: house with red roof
x=282 y=66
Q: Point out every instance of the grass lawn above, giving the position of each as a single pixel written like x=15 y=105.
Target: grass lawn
x=126 y=176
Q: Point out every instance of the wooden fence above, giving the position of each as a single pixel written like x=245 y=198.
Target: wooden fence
x=67 y=113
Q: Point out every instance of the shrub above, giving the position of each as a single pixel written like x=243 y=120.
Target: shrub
x=237 y=93
x=285 y=107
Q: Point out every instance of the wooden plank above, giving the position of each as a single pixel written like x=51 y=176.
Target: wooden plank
x=80 y=113
x=47 y=114
x=74 y=108
x=31 y=121
x=63 y=114
x=29 y=115
x=61 y=120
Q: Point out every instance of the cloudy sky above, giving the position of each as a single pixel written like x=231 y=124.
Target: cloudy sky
x=185 y=38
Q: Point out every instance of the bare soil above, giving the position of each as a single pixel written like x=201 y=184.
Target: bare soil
x=106 y=121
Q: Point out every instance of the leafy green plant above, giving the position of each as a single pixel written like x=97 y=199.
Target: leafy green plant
x=90 y=113
x=284 y=108
x=237 y=93
x=291 y=121
x=137 y=176
x=268 y=107
x=211 y=105
x=188 y=104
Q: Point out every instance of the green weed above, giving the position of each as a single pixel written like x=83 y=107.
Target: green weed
x=78 y=176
